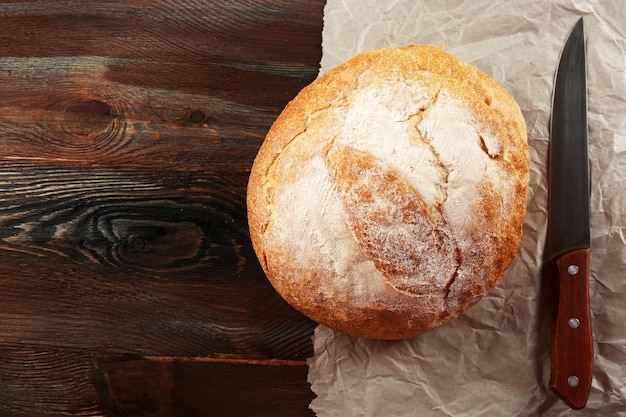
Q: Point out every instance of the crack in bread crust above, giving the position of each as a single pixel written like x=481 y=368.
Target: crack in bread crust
x=393 y=225
x=302 y=134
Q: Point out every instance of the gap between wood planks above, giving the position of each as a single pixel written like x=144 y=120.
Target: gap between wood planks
x=241 y=361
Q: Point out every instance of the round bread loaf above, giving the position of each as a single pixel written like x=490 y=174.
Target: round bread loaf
x=389 y=195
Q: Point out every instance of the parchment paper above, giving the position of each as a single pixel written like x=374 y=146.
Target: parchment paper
x=494 y=360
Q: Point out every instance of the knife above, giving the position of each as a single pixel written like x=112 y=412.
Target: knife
x=569 y=240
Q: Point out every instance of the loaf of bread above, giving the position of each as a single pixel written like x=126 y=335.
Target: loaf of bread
x=389 y=195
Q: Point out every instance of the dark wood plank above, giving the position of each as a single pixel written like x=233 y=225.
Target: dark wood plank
x=117 y=83
x=197 y=387
x=127 y=131
x=45 y=384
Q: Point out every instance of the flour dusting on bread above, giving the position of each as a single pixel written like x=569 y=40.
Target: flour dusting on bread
x=389 y=196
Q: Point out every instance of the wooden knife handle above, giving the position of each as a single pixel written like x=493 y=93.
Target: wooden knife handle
x=572 y=343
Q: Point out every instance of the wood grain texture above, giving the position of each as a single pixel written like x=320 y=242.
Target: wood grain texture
x=127 y=132
x=36 y=383
x=192 y=387
x=117 y=82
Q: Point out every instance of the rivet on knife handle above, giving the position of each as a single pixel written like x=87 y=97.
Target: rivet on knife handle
x=572 y=342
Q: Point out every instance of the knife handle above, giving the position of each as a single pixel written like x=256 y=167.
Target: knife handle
x=572 y=343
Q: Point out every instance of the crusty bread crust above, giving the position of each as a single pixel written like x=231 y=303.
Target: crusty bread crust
x=389 y=195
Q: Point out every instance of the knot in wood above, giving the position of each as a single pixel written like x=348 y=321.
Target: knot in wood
x=88 y=118
x=197 y=117
x=135 y=243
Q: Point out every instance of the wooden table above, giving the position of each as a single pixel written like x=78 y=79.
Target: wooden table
x=128 y=284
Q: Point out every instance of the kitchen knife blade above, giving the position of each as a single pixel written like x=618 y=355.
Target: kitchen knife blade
x=569 y=240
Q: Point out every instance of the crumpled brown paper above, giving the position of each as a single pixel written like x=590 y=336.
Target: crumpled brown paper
x=495 y=359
